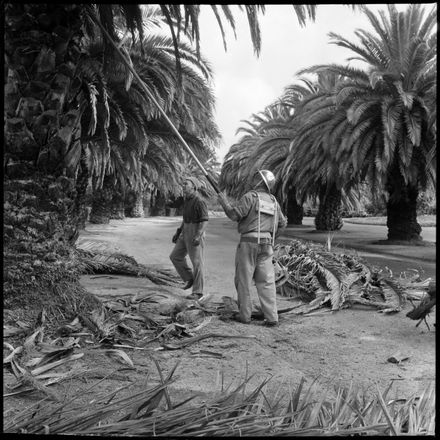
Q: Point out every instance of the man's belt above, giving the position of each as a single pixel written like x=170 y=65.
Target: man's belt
x=263 y=240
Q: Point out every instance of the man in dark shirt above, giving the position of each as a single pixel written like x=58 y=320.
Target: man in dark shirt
x=189 y=240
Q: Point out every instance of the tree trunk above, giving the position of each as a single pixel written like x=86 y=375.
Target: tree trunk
x=138 y=208
x=159 y=205
x=402 y=213
x=294 y=210
x=117 y=206
x=82 y=182
x=129 y=202
x=102 y=203
x=329 y=216
x=41 y=118
x=146 y=202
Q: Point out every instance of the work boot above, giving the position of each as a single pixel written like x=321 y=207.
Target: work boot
x=188 y=284
x=271 y=323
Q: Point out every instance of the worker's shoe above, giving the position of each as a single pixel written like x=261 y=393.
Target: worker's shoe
x=195 y=296
x=271 y=323
x=236 y=317
x=188 y=284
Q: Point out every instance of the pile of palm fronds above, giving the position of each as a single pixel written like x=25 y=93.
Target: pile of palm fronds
x=318 y=277
x=151 y=412
x=92 y=261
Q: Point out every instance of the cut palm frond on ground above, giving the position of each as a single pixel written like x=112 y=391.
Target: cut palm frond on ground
x=94 y=260
x=263 y=411
x=318 y=277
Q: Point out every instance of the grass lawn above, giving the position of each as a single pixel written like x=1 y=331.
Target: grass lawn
x=424 y=220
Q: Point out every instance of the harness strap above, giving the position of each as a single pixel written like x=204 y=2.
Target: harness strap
x=275 y=220
x=274 y=200
x=259 y=218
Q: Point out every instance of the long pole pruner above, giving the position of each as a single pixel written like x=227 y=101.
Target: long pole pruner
x=144 y=87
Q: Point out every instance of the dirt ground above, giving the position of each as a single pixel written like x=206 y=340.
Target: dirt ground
x=332 y=347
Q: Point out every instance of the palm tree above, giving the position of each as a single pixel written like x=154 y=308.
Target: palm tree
x=316 y=158
x=288 y=139
x=390 y=108
x=45 y=88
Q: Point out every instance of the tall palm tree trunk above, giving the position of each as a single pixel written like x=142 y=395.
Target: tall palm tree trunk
x=146 y=202
x=138 y=208
x=159 y=204
x=294 y=210
x=102 y=202
x=117 y=206
x=40 y=223
x=329 y=216
x=402 y=211
x=82 y=181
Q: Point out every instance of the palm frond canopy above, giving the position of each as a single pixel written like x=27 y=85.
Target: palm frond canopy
x=390 y=104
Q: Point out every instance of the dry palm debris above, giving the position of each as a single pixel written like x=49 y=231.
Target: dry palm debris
x=102 y=262
x=184 y=343
x=427 y=303
x=318 y=277
x=263 y=410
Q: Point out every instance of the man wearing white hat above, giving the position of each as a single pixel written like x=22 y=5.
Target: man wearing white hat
x=189 y=239
x=259 y=218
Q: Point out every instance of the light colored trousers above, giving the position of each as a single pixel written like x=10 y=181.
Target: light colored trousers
x=253 y=261
x=184 y=248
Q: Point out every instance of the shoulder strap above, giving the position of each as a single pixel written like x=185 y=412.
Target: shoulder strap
x=275 y=219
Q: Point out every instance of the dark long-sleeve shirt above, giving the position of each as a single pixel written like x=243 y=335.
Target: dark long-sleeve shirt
x=195 y=210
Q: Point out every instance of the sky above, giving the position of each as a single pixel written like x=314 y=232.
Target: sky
x=244 y=84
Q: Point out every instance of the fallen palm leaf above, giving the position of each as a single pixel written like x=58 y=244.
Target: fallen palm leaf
x=89 y=261
x=26 y=379
x=205 y=322
x=9 y=330
x=173 y=329
x=130 y=347
x=145 y=297
x=8 y=346
x=14 y=352
x=30 y=340
x=211 y=353
x=47 y=367
x=393 y=295
x=186 y=342
x=415 y=294
x=32 y=362
x=127 y=330
x=140 y=318
x=17 y=369
x=387 y=414
x=70 y=328
x=116 y=306
x=120 y=356
x=16 y=393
